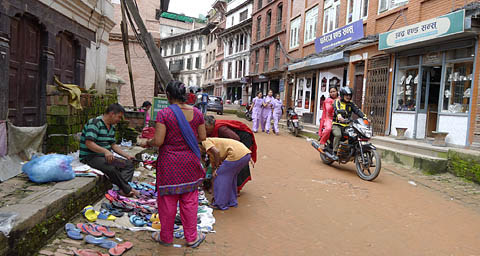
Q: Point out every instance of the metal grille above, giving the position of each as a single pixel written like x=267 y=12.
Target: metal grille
x=377 y=93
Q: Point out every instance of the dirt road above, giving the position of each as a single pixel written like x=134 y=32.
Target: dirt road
x=295 y=205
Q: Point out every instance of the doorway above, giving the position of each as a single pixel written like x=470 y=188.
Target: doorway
x=429 y=98
x=327 y=80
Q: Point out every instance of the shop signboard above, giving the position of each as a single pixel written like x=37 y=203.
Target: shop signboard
x=341 y=36
x=441 y=26
x=159 y=103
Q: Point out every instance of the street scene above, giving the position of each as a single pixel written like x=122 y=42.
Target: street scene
x=239 y=127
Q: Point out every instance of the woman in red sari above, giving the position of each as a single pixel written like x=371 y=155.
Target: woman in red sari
x=327 y=117
x=236 y=130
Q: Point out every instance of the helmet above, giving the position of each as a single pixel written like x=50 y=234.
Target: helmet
x=345 y=91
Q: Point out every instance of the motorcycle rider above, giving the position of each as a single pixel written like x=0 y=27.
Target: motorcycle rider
x=343 y=109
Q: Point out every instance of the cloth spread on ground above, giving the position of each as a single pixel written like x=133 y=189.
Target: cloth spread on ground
x=73 y=91
x=239 y=126
x=25 y=139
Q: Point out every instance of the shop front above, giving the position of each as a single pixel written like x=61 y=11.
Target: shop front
x=434 y=77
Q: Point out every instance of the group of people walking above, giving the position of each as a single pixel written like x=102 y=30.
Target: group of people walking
x=264 y=110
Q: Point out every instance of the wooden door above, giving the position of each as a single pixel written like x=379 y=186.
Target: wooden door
x=24 y=79
x=65 y=58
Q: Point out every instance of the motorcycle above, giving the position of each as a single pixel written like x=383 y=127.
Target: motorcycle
x=293 y=124
x=248 y=113
x=354 y=146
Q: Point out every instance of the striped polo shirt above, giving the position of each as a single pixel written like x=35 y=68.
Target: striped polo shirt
x=96 y=131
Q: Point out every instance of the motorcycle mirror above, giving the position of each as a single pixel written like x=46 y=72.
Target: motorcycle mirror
x=371 y=113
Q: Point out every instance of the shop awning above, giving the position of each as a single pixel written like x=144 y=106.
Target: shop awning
x=333 y=59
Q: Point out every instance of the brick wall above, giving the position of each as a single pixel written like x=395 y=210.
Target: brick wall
x=143 y=73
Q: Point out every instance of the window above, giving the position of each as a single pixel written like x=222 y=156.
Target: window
x=207 y=57
x=257 y=52
x=294 y=32
x=191 y=45
x=214 y=55
x=331 y=14
x=240 y=68
x=279 y=18
x=171 y=50
x=407 y=80
x=259 y=25
x=184 y=46
x=241 y=43
x=311 y=24
x=356 y=9
x=178 y=48
x=385 y=5
x=198 y=62
x=243 y=15
x=277 y=55
x=458 y=81
x=230 y=47
x=269 y=23
x=237 y=42
x=259 y=4
x=266 y=57
x=189 y=63
x=229 y=71
x=200 y=43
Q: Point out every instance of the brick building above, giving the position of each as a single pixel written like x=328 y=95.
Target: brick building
x=268 y=61
x=421 y=81
x=236 y=43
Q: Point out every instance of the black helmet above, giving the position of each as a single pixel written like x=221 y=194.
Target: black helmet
x=345 y=91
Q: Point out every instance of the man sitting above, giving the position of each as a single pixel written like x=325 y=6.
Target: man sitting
x=97 y=143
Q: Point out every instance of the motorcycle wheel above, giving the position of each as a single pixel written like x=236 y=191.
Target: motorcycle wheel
x=365 y=173
x=325 y=159
x=295 y=132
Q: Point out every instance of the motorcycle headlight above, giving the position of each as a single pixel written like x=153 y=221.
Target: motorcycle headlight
x=367 y=132
x=352 y=133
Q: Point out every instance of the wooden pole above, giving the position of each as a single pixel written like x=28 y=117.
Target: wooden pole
x=126 y=50
x=153 y=53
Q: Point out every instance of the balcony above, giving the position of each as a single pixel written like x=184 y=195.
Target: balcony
x=176 y=67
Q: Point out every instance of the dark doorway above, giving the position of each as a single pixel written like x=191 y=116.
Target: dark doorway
x=24 y=79
x=358 y=84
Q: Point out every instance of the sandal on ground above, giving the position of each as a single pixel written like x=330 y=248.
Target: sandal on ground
x=120 y=249
x=88 y=229
x=200 y=238
x=88 y=252
x=102 y=242
x=73 y=232
x=104 y=230
x=156 y=238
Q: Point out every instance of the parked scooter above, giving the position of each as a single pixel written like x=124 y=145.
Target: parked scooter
x=293 y=123
x=248 y=113
x=354 y=146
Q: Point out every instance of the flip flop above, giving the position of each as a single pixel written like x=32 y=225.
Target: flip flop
x=102 y=242
x=122 y=206
x=112 y=210
x=156 y=225
x=106 y=215
x=110 y=198
x=154 y=217
x=156 y=238
x=73 y=232
x=104 y=230
x=201 y=238
x=137 y=221
x=134 y=185
x=88 y=252
x=89 y=213
x=150 y=186
x=88 y=229
x=120 y=249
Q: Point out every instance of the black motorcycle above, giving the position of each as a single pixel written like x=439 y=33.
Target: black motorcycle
x=293 y=124
x=354 y=146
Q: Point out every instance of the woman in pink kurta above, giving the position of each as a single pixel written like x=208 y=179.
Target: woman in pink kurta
x=327 y=117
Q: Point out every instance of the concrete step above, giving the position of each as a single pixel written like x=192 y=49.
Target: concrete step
x=409 y=159
x=412 y=146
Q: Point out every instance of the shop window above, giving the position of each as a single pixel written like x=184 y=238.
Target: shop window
x=300 y=93
x=331 y=15
x=356 y=9
x=311 y=24
x=385 y=5
x=407 y=81
x=294 y=32
x=458 y=87
x=462 y=53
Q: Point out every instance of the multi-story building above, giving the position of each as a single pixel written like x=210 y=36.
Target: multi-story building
x=236 y=43
x=216 y=16
x=160 y=25
x=268 y=61
x=410 y=62
x=185 y=55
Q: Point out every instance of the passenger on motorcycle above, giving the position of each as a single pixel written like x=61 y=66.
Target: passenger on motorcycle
x=343 y=109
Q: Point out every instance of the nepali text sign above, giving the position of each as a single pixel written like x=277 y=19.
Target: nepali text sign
x=340 y=36
x=445 y=25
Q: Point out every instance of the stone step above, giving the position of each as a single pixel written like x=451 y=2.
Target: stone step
x=409 y=159
x=413 y=146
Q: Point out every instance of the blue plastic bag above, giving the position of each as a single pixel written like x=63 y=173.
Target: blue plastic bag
x=53 y=167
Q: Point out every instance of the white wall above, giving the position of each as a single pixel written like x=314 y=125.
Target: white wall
x=421 y=125
x=456 y=126
x=403 y=120
x=236 y=15
x=235 y=3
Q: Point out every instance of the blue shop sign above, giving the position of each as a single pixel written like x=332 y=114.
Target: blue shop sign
x=341 y=36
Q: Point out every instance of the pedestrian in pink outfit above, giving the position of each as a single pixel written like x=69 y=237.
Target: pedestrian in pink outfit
x=178 y=130
x=327 y=117
x=267 y=111
x=256 y=108
x=277 y=112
